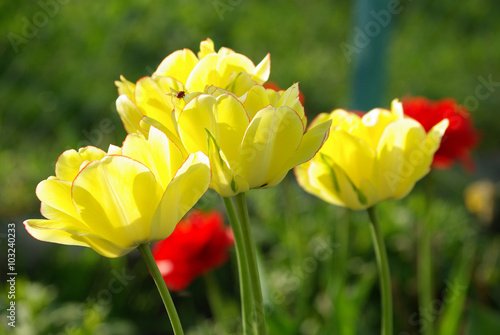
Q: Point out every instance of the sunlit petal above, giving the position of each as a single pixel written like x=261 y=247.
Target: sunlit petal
x=187 y=187
x=118 y=195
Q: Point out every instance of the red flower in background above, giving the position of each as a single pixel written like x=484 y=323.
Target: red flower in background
x=272 y=85
x=460 y=137
x=199 y=244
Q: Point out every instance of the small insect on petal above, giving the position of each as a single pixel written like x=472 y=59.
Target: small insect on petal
x=181 y=94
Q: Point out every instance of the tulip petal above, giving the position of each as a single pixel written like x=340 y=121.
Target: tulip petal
x=178 y=65
x=239 y=83
x=316 y=178
x=129 y=113
x=224 y=180
x=187 y=187
x=117 y=197
x=206 y=47
x=215 y=69
x=335 y=184
x=270 y=141
x=104 y=247
x=427 y=150
x=57 y=205
x=204 y=73
x=224 y=117
x=158 y=153
x=340 y=119
x=167 y=84
x=232 y=121
x=262 y=70
x=194 y=119
x=147 y=123
x=114 y=150
x=372 y=126
x=41 y=230
x=52 y=231
x=154 y=102
x=290 y=98
x=351 y=153
x=254 y=100
x=126 y=87
x=69 y=163
x=311 y=143
x=401 y=159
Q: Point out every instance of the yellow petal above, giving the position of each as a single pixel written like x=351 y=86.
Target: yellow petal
x=204 y=73
x=69 y=163
x=372 y=126
x=51 y=231
x=352 y=196
x=224 y=180
x=402 y=160
x=352 y=154
x=40 y=229
x=56 y=193
x=224 y=117
x=129 y=113
x=116 y=197
x=187 y=187
x=206 y=47
x=290 y=98
x=114 y=150
x=178 y=65
x=270 y=141
x=231 y=123
x=65 y=225
x=154 y=103
x=334 y=185
x=311 y=143
x=146 y=124
x=215 y=69
x=254 y=100
x=262 y=70
x=126 y=87
x=435 y=135
x=104 y=247
x=224 y=51
x=167 y=84
x=158 y=153
x=397 y=109
x=342 y=119
x=316 y=178
x=234 y=63
x=422 y=155
x=197 y=116
x=239 y=83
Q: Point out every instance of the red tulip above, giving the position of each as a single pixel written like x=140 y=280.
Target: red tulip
x=460 y=137
x=199 y=244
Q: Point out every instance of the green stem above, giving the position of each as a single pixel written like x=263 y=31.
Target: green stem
x=162 y=288
x=383 y=269
x=247 y=306
x=260 y=317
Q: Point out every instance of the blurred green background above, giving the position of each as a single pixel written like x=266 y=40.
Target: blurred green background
x=59 y=60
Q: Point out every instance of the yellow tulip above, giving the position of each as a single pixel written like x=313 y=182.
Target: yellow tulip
x=252 y=141
x=113 y=202
x=182 y=73
x=371 y=158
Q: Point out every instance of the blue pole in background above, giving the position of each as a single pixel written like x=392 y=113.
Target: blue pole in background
x=373 y=21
